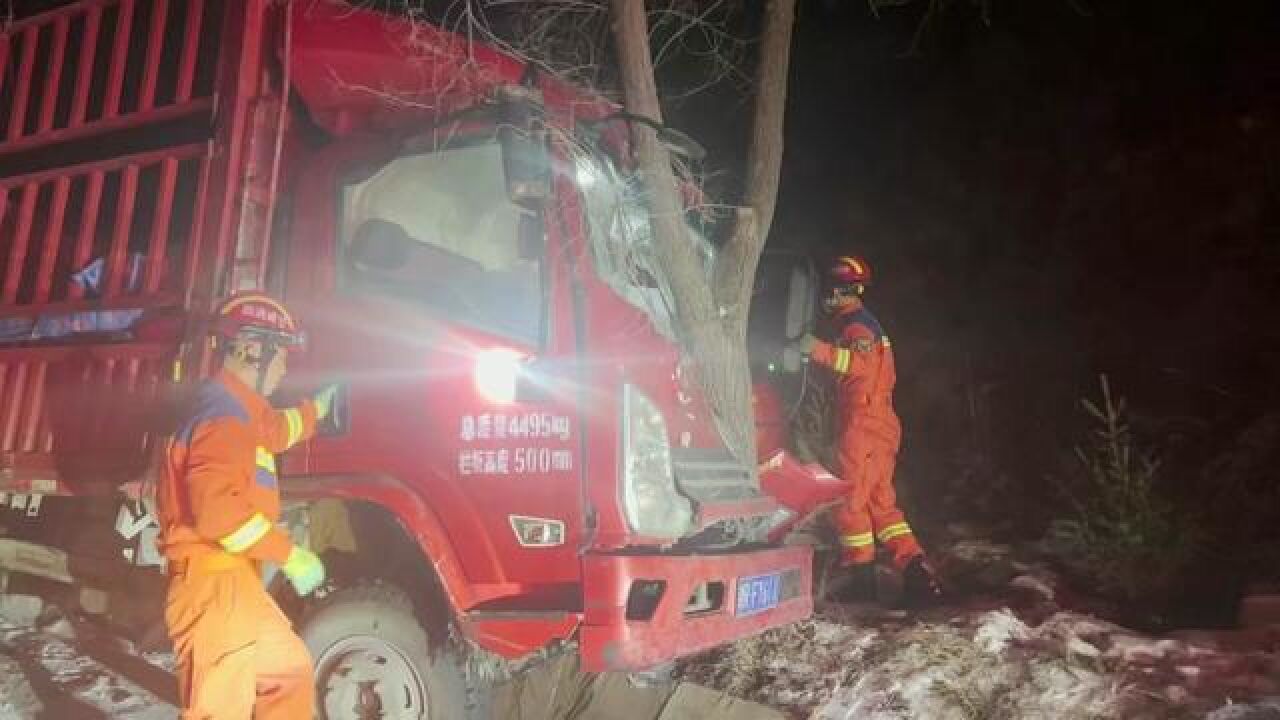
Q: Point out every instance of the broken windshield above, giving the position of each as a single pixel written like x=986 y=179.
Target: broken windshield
x=622 y=238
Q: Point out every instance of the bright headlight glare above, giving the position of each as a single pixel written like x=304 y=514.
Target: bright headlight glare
x=497 y=371
x=586 y=174
x=650 y=501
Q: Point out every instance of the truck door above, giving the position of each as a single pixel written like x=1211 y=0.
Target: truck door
x=437 y=323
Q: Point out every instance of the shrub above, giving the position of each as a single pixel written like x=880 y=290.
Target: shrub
x=1121 y=532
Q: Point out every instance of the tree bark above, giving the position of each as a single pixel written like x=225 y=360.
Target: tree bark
x=736 y=269
x=719 y=365
x=711 y=312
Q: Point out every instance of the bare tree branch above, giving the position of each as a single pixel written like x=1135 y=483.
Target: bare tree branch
x=736 y=269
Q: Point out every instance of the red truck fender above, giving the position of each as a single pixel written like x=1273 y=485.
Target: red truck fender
x=417 y=519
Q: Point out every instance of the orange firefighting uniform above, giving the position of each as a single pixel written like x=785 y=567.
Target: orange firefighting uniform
x=218 y=502
x=867 y=436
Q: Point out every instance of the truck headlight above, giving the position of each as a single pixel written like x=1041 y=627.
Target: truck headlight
x=497 y=373
x=650 y=501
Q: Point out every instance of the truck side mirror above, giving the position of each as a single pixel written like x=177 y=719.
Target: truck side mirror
x=801 y=298
x=783 y=305
x=522 y=134
x=381 y=246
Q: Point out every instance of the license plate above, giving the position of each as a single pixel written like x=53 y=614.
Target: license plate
x=758 y=593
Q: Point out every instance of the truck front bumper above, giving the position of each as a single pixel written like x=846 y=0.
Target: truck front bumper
x=643 y=610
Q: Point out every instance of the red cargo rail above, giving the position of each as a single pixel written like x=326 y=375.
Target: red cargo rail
x=73 y=82
x=105 y=64
x=110 y=198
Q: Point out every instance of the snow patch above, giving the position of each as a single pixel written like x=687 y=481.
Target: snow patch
x=1266 y=710
x=998 y=629
x=979 y=664
x=17 y=699
x=77 y=684
x=21 y=610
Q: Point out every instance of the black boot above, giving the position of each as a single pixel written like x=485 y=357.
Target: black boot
x=920 y=588
x=856 y=584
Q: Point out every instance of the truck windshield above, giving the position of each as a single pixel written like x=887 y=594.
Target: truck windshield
x=622 y=240
x=437 y=229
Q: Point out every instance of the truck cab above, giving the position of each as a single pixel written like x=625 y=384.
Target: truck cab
x=516 y=443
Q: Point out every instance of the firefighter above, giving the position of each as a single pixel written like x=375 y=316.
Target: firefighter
x=218 y=504
x=868 y=432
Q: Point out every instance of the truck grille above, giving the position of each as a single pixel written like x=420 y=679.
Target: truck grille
x=713 y=475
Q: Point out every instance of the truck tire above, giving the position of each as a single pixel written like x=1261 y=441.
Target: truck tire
x=372 y=660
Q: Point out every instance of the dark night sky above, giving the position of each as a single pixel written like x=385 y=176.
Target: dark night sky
x=1046 y=198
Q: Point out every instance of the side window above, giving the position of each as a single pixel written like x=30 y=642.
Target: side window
x=439 y=231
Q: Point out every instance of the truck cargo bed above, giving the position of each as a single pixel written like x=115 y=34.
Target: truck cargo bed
x=117 y=220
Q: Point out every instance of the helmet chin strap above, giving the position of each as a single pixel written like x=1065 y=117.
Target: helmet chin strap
x=269 y=350
x=260 y=362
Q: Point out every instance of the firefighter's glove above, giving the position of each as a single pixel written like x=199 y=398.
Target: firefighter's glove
x=323 y=400
x=304 y=570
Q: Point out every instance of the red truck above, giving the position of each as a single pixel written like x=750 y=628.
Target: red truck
x=517 y=452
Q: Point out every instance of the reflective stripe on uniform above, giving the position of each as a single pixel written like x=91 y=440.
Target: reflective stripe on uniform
x=893 y=531
x=843 y=359
x=266 y=473
x=294 y=418
x=247 y=534
x=266 y=460
x=859 y=540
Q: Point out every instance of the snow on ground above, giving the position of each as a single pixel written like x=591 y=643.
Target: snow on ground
x=43 y=674
x=836 y=667
x=1017 y=649
x=989 y=664
x=1012 y=654
x=17 y=699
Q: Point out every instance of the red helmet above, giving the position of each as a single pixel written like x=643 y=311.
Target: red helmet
x=257 y=316
x=849 y=270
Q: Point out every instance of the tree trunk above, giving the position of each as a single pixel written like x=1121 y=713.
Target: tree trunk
x=736 y=267
x=710 y=312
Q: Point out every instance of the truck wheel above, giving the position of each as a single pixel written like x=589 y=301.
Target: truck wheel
x=372 y=660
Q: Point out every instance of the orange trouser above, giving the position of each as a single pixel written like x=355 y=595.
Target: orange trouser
x=238 y=658
x=870 y=511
